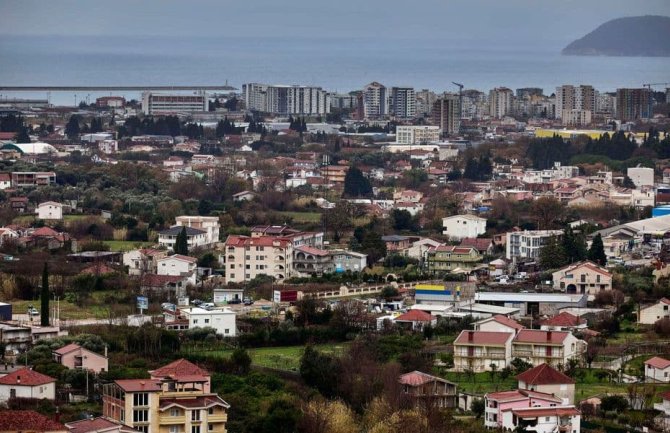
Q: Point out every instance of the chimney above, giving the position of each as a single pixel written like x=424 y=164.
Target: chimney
x=471 y=335
x=548 y=335
x=18 y=378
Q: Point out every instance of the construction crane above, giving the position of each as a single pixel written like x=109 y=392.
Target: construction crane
x=460 y=104
x=649 y=86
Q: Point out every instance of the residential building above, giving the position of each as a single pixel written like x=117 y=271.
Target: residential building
x=177 y=398
x=415 y=320
x=543 y=419
x=478 y=350
x=641 y=176
x=334 y=173
x=312 y=261
x=582 y=277
x=551 y=347
x=286 y=100
x=546 y=379
x=652 y=313
x=194 y=237
x=416 y=134
x=403 y=100
x=576 y=118
x=632 y=104
x=178 y=265
x=375 y=101
x=33 y=178
x=5 y=180
x=7 y=233
x=499 y=323
x=223 y=320
x=163 y=103
x=420 y=248
x=98 y=425
x=500 y=102
x=210 y=225
x=446 y=114
x=143 y=261
x=248 y=257
x=483 y=245
x=564 y=321
x=74 y=356
x=49 y=210
x=396 y=244
x=27 y=383
x=298 y=238
x=168 y=287
x=343 y=101
x=498 y=403
x=15 y=338
x=428 y=390
x=344 y=260
x=424 y=101
x=528 y=243
x=226 y=294
x=28 y=421
x=570 y=98
x=657 y=369
x=451 y=258
x=463 y=226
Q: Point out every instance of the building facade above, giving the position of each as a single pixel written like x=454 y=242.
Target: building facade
x=446 y=114
x=632 y=104
x=478 y=350
x=463 y=226
x=403 y=101
x=159 y=103
x=583 y=277
x=246 y=258
x=416 y=134
x=500 y=102
x=527 y=244
x=375 y=101
x=286 y=100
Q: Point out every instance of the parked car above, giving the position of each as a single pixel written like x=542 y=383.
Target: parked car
x=32 y=311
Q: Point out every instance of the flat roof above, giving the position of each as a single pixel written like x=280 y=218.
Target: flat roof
x=528 y=297
x=485 y=308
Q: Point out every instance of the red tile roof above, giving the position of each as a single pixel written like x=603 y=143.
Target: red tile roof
x=311 y=250
x=417 y=378
x=665 y=301
x=415 y=316
x=537 y=336
x=481 y=244
x=665 y=395
x=483 y=338
x=545 y=411
x=544 y=374
x=658 y=362
x=261 y=241
x=136 y=385
x=564 y=319
x=67 y=349
x=180 y=367
x=26 y=377
x=193 y=403
x=45 y=231
x=96 y=425
x=28 y=420
x=587 y=264
x=504 y=320
x=521 y=394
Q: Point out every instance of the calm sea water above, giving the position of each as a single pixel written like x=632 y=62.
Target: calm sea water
x=341 y=64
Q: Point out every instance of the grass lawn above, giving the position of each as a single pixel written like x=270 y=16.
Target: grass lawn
x=97 y=308
x=281 y=358
x=480 y=383
x=126 y=245
x=302 y=217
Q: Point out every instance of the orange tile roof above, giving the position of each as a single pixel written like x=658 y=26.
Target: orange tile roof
x=544 y=374
x=658 y=362
x=545 y=411
x=136 y=385
x=28 y=420
x=26 y=377
x=414 y=316
x=180 y=367
x=521 y=394
x=537 y=336
x=564 y=319
x=483 y=338
x=504 y=320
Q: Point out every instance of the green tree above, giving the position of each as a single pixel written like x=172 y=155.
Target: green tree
x=597 y=251
x=72 y=128
x=552 y=255
x=44 y=297
x=356 y=184
x=373 y=246
x=181 y=243
x=574 y=246
x=241 y=360
x=319 y=371
x=477 y=407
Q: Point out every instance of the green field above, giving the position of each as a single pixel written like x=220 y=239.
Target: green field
x=126 y=245
x=302 y=217
x=96 y=308
x=280 y=358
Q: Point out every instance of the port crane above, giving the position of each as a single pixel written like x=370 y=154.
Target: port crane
x=460 y=104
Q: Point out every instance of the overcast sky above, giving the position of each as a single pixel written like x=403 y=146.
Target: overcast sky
x=494 y=20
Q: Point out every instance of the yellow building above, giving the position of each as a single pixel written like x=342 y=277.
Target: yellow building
x=593 y=133
x=176 y=399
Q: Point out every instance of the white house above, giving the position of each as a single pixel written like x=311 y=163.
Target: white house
x=655 y=312
x=225 y=294
x=498 y=323
x=582 y=277
x=221 y=319
x=27 y=383
x=245 y=196
x=463 y=226
x=7 y=233
x=419 y=248
x=143 y=261
x=194 y=237
x=210 y=225
x=543 y=419
x=49 y=210
x=178 y=265
x=657 y=369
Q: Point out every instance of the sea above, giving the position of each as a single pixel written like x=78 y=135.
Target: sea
x=338 y=64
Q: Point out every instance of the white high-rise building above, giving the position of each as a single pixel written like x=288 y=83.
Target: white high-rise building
x=375 y=101
x=500 y=102
x=162 y=103
x=286 y=100
x=569 y=97
x=404 y=102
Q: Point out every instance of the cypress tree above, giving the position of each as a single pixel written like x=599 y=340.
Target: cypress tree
x=44 y=297
x=181 y=243
x=597 y=251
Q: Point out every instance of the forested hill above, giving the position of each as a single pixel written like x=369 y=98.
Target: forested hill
x=644 y=36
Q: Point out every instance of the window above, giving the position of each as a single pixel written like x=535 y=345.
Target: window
x=210 y=411
x=547 y=419
x=140 y=416
x=12 y=393
x=232 y=266
x=195 y=429
x=227 y=331
x=174 y=429
x=174 y=412
x=210 y=427
x=141 y=399
x=232 y=276
x=195 y=415
x=206 y=320
x=195 y=321
x=122 y=415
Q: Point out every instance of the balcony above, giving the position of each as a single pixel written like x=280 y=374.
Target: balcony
x=481 y=355
x=219 y=417
x=172 y=420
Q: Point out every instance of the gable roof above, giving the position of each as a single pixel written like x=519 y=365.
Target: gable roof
x=179 y=257
x=414 y=316
x=28 y=420
x=586 y=264
x=97 y=425
x=521 y=394
x=564 y=319
x=504 y=320
x=537 y=336
x=481 y=244
x=180 y=367
x=544 y=374
x=416 y=378
x=483 y=338
x=533 y=412
x=136 y=385
x=67 y=349
x=26 y=377
x=658 y=362
x=174 y=231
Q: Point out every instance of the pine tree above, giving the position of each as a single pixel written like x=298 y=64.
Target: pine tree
x=597 y=251
x=356 y=184
x=552 y=255
x=44 y=297
x=181 y=243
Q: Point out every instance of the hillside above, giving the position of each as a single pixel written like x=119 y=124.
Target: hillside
x=644 y=36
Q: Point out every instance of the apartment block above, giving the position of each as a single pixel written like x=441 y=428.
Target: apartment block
x=403 y=101
x=286 y=100
x=160 y=103
x=500 y=102
x=528 y=243
x=478 y=350
x=246 y=258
